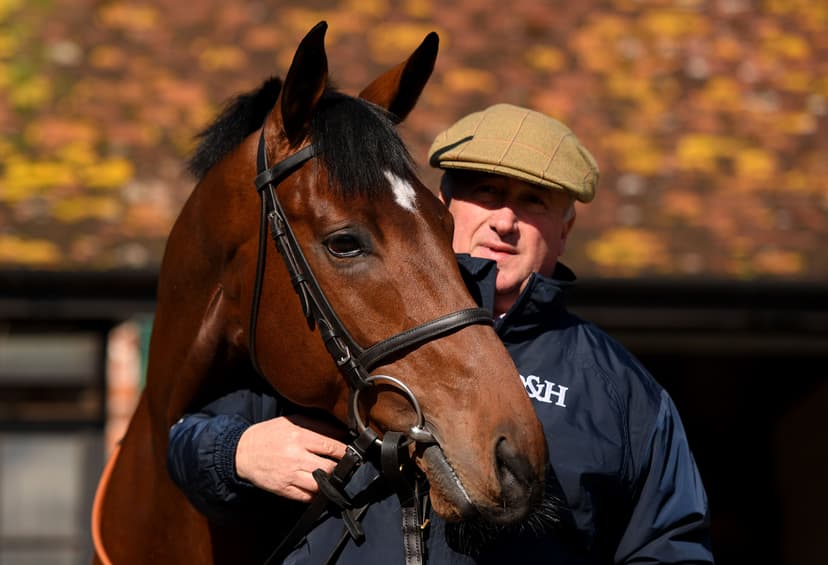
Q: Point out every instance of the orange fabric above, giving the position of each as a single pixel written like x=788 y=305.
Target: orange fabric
x=97 y=540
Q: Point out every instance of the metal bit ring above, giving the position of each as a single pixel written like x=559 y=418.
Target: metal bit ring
x=417 y=432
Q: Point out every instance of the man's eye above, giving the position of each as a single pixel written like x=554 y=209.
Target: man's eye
x=344 y=245
x=485 y=193
x=535 y=202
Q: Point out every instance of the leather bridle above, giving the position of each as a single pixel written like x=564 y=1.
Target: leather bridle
x=354 y=362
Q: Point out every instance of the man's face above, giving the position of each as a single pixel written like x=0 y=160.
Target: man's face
x=518 y=224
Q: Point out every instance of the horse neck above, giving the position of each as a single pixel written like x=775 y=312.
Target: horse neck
x=197 y=326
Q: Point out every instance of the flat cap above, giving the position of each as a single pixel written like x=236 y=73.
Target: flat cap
x=519 y=143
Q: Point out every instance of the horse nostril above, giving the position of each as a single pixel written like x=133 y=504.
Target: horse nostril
x=518 y=483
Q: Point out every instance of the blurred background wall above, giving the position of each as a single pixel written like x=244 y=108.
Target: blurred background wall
x=703 y=251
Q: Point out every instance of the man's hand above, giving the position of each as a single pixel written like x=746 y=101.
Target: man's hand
x=279 y=455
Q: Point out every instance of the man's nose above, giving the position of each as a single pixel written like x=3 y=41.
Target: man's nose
x=503 y=220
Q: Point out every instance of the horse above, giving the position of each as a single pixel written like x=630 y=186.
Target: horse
x=377 y=244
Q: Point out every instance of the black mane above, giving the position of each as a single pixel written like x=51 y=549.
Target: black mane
x=355 y=139
x=241 y=117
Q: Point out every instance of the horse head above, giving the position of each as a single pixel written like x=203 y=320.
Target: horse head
x=379 y=244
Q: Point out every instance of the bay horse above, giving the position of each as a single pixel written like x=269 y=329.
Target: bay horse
x=379 y=243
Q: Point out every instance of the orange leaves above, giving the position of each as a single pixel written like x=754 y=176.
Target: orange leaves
x=30 y=92
x=111 y=173
x=626 y=252
x=391 y=43
x=222 y=57
x=373 y=8
x=721 y=112
x=9 y=43
x=465 y=79
x=701 y=152
x=80 y=208
x=129 y=17
x=778 y=262
x=108 y=57
x=25 y=178
x=50 y=132
x=683 y=204
x=69 y=162
x=635 y=152
x=722 y=93
x=298 y=19
x=545 y=58
x=795 y=80
x=673 y=24
x=753 y=168
x=755 y=165
x=262 y=38
x=28 y=252
x=789 y=46
x=8 y=7
x=595 y=43
x=418 y=8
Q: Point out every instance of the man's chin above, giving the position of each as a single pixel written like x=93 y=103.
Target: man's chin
x=508 y=282
x=505 y=296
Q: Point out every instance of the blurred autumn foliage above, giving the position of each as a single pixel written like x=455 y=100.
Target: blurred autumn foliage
x=708 y=118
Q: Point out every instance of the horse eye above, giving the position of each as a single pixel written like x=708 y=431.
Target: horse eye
x=344 y=245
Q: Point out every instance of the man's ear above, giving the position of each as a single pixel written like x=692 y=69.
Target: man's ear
x=566 y=228
x=444 y=193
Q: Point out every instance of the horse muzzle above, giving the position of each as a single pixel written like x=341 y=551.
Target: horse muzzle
x=516 y=495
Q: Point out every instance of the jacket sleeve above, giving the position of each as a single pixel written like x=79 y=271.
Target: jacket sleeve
x=201 y=453
x=670 y=521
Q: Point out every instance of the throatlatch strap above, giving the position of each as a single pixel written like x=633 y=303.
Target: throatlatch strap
x=266 y=177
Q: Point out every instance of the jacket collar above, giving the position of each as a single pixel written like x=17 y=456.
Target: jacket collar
x=541 y=296
x=479 y=276
x=537 y=305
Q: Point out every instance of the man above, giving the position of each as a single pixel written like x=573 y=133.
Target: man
x=627 y=486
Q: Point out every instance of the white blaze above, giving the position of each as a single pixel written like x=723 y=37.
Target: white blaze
x=403 y=191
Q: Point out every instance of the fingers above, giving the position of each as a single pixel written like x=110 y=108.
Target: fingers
x=325 y=427
x=279 y=456
x=294 y=492
x=298 y=495
x=320 y=444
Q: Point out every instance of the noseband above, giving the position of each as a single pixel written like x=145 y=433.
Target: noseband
x=355 y=363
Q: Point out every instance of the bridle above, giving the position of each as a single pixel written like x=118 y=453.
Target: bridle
x=354 y=362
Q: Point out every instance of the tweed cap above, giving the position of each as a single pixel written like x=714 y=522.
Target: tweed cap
x=519 y=143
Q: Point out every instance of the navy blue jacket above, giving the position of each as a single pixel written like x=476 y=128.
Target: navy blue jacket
x=620 y=462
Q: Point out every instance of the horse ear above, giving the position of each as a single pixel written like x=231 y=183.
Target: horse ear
x=398 y=89
x=305 y=82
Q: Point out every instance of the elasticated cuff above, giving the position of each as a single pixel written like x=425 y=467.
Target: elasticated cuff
x=225 y=456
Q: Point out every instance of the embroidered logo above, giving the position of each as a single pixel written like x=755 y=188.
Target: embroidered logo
x=545 y=391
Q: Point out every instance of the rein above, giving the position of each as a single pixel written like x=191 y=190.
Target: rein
x=354 y=362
